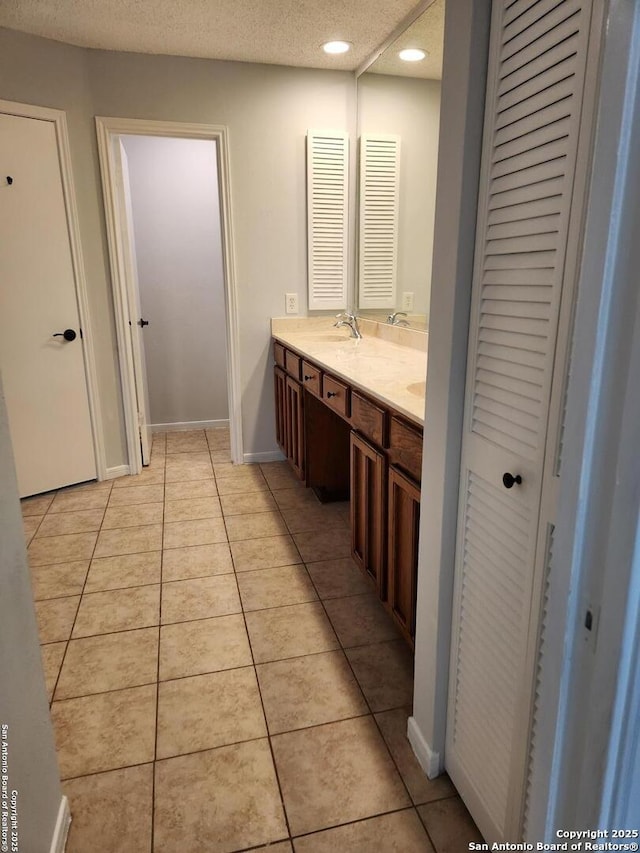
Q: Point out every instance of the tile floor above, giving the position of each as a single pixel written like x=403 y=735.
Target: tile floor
x=221 y=676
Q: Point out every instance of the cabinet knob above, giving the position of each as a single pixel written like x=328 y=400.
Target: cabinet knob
x=307 y=378
x=332 y=393
x=509 y=480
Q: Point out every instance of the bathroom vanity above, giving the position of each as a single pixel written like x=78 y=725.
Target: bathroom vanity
x=349 y=418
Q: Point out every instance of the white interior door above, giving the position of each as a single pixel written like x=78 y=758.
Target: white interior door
x=43 y=373
x=532 y=126
x=133 y=294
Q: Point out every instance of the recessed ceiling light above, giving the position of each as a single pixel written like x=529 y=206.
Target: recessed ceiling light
x=412 y=54
x=336 y=47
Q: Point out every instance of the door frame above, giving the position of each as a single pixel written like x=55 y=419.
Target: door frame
x=109 y=129
x=59 y=120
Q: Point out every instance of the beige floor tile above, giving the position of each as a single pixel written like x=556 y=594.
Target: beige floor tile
x=400 y=832
x=202 y=531
x=117 y=610
x=134 y=495
x=52 y=655
x=109 y=662
x=393 y=725
x=275 y=587
x=123 y=571
x=190 y=490
x=110 y=810
x=206 y=645
x=183 y=467
x=218 y=439
x=60 y=523
x=241 y=473
x=74 y=501
x=280 y=847
x=61 y=549
x=321 y=517
x=315 y=545
x=147 y=477
x=196 y=561
x=219 y=456
x=254 y=526
x=192 y=508
x=187 y=442
x=264 y=553
x=229 y=800
x=135 y=515
x=205 y=711
x=338 y=578
x=55 y=618
x=105 y=731
x=280 y=478
x=308 y=691
x=200 y=598
x=277 y=467
x=241 y=485
x=336 y=773
x=90 y=486
x=360 y=619
x=295 y=498
x=59 y=579
x=385 y=674
x=286 y=632
x=30 y=525
x=450 y=825
x=37 y=505
x=248 y=503
x=129 y=540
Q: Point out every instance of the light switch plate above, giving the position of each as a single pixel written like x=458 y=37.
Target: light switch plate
x=407 y=300
x=291 y=303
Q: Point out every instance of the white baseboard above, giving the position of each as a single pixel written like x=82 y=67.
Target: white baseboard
x=427 y=758
x=265 y=456
x=184 y=425
x=117 y=471
x=59 y=840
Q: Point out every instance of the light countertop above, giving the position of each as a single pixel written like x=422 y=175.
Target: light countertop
x=387 y=364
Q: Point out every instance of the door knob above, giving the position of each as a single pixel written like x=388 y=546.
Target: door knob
x=68 y=335
x=509 y=480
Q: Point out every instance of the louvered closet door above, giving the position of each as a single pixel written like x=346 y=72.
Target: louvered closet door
x=534 y=98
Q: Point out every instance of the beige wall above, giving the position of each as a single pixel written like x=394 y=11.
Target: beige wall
x=267 y=109
x=410 y=109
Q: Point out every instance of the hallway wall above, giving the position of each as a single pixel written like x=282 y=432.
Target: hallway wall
x=176 y=223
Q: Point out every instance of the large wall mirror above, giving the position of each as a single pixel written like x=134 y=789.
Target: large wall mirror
x=398 y=123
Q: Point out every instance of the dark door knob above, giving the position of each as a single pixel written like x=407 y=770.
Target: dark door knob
x=509 y=480
x=68 y=335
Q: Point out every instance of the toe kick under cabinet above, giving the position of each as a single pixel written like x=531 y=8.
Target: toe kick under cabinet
x=344 y=444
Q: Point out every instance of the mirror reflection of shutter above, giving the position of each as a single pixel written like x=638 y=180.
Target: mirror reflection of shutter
x=327 y=220
x=378 y=220
x=535 y=86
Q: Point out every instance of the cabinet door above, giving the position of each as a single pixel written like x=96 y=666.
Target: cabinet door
x=368 y=503
x=279 y=383
x=294 y=426
x=402 y=567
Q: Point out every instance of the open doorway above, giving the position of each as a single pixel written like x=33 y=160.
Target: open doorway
x=167 y=203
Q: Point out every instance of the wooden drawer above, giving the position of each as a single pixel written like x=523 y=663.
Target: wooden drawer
x=336 y=395
x=369 y=419
x=311 y=377
x=293 y=364
x=405 y=448
x=278 y=354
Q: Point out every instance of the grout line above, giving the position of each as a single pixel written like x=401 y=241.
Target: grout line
x=155 y=741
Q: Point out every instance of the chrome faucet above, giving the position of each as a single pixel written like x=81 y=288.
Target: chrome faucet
x=395 y=322
x=350 y=320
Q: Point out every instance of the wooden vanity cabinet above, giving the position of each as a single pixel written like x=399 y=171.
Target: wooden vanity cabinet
x=290 y=419
x=402 y=553
x=368 y=511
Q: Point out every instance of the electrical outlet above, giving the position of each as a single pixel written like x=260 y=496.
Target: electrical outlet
x=407 y=300
x=291 y=303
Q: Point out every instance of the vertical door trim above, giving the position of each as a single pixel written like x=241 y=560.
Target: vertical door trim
x=107 y=130
x=59 y=121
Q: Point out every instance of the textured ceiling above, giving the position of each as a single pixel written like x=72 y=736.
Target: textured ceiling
x=282 y=32
x=426 y=32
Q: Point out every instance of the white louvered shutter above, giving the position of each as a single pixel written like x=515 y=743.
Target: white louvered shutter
x=378 y=243
x=327 y=221
x=533 y=109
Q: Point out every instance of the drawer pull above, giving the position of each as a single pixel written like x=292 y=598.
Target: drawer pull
x=307 y=378
x=332 y=393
